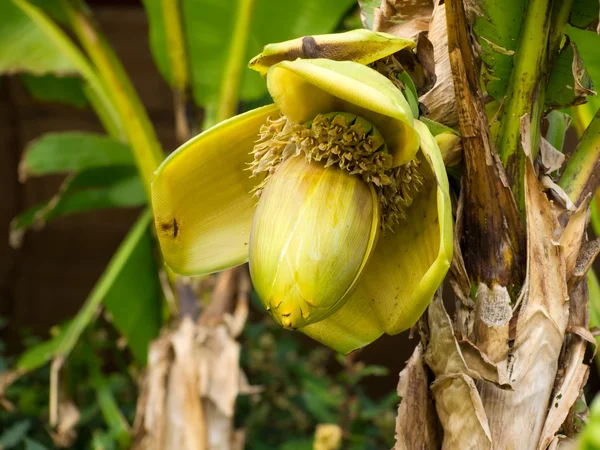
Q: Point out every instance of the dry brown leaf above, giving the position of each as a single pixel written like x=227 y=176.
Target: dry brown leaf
x=444 y=353
x=420 y=65
x=403 y=18
x=193 y=378
x=573 y=236
x=558 y=192
x=581 y=92
x=6 y=379
x=441 y=100
x=457 y=400
x=492 y=329
x=562 y=443
x=416 y=422
x=461 y=413
x=64 y=434
x=552 y=159
x=586 y=258
x=540 y=331
x=459 y=278
x=572 y=374
x=492 y=243
x=479 y=362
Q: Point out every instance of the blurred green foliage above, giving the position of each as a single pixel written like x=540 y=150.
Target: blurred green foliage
x=306 y=387
x=303 y=386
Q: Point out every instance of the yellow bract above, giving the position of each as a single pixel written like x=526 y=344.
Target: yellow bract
x=405 y=269
x=313 y=232
x=361 y=46
x=201 y=197
x=317 y=259
x=349 y=87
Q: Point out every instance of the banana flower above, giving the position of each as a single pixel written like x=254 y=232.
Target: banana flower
x=335 y=194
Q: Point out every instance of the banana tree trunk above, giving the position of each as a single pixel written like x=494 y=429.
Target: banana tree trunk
x=507 y=370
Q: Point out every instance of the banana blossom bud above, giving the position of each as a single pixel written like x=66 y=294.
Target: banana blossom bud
x=336 y=195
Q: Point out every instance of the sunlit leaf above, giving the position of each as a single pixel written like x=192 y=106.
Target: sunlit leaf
x=25 y=48
x=38 y=355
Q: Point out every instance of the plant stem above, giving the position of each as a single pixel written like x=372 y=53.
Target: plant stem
x=582 y=173
x=560 y=17
x=235 y=62
x=493 y=237
x=140 y=133
x=103 y=285
x=524 y=89
x=95 y=89
x=180 y=71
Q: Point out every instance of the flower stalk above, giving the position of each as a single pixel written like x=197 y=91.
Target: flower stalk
x=525 y=94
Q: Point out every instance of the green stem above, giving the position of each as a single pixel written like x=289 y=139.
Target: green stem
x=96 y=91
x=595 y=216
x=582 y=173
x=235 y=62
x=140 y=133
x=560 y=16
x=524 y=92
x=179 y=65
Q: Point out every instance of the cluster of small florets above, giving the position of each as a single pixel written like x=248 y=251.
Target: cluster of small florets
x=346 y=141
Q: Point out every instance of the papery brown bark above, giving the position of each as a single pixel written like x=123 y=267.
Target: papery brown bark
x=507 y=370
x=193 y=377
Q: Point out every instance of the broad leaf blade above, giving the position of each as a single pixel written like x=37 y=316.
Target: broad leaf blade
x=38 y=355
x=89 y=190
x=496 y=25
x=272 y=21
x=25 y=48
x=569 y=83
x=73 y=151
x=50 y=88
x=584 y=14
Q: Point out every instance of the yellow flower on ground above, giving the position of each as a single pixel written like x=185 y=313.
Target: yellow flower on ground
x=335 y=194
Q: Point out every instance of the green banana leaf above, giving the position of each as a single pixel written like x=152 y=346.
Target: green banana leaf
x=208 y=27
